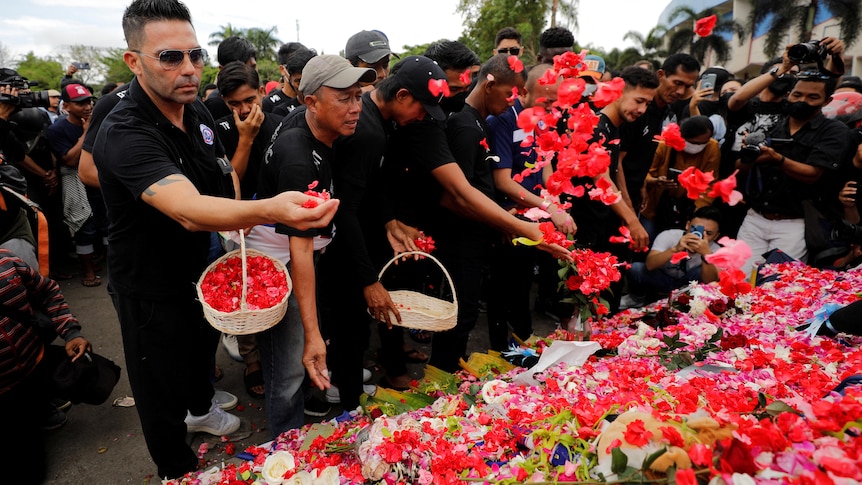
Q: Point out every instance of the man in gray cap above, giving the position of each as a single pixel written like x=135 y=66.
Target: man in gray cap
x=300 y=158
x=369 y=48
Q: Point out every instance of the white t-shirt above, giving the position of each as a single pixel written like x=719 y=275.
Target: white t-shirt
x=668 y=239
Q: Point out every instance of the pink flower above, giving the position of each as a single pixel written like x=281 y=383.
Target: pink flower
x=604 y=192
x=733 y=254
x=695 y=182
x=726 y=190
x=672 y=137
x=703 y=27
x=515 y=64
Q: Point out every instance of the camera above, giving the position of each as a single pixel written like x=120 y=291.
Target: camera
x=807 y=52
x=23 y=100
x=753 y=144
x=847 y=232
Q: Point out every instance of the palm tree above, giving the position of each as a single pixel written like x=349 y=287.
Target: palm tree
x=786 y=14
x=684 y=39
x=650 y=47
x=226 y=31
x=264 y=41
x=568 y=11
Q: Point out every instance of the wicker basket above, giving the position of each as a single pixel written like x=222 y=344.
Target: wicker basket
x=245 y=321
x=419 y=310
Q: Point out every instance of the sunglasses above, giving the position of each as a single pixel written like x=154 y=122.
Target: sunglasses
x=509 y=50
x=173 y=58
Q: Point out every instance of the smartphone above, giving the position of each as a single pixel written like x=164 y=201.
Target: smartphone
x=81 y=65
x=673 y=174
x=853 y=183
x=697 y=231
x=707 y=81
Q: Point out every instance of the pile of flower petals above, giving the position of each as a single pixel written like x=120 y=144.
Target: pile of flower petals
x=509 y=434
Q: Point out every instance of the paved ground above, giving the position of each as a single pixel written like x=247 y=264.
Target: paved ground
x=103 y=444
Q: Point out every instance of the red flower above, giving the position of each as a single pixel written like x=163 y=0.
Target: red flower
x=438 y=87
x=604 y=192
x=514 y=95
x=700 y=454
x=703 y=27
x=608 y=92
x=672 y=436
x=737 y=458
x=515 y=64
x=636 y=434
x=672 y=137
x=221 y=287
x=726 y=189
x=733 y=282
x=312 y=203
x=529 y=119
x=484 y=144
x=626 y=237
x=686 y=477
x=695 y=182
x=570 y=91
x=677 y=257
x=466 y=77
x=549 y=77
x=552 y=236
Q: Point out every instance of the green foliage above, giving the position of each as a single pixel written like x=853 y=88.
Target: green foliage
x=483 y=19
x=683 y=38
x=116 y=69
x=787 y=15
x=411 y=50
x=264 y=40
x=268 y=70
x=209 y=75
x=47 y=72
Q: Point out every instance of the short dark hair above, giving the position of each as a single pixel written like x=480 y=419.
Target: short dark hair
x=830 y=83
x=556 y=37
x=696 y=126
x=298 y=60
x=708 y=212
x=451 y=54
x=389 y=86
x=235 y=48
x=638 y=77
x=680 y=60
x=507 y=33
x=498 y=67
x=287 y=50
x=108 y=88
x=142 y=12
x=236 y=74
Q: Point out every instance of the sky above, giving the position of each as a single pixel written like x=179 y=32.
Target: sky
x=46 y=26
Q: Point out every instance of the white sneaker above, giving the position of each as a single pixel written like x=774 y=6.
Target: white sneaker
x=334 y=397
x=224 y=399
x=216 y=422
x=631 y=301
x=232 y=346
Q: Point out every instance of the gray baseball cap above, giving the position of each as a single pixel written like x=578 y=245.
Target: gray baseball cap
x=334 y=72
x=368 y=45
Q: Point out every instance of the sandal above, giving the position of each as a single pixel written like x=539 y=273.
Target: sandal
x=92 y=282
x=415 y=356
x=254 y=379
x=421 y=336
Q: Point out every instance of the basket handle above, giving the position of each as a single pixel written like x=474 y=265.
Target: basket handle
x=242 y=303
x=424 y=255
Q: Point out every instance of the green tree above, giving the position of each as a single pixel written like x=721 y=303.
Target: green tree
x=568 y=12
x=484 y=18
x=47 y=72
x=683 y=38
x=649 y=46
x=784 y=15
x=265 y=41
x=116 y=69
x=226 y=31
x=617 y=60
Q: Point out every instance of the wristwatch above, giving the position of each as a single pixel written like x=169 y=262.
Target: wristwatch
x=774 y=71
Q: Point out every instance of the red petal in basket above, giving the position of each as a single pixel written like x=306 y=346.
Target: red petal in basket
x=221 y=287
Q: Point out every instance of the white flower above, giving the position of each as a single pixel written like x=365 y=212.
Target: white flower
x=328 y=476
x=492 y=395
x=301 y=478
x=276 y=465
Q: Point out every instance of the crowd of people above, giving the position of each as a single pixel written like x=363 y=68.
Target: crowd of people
x=342 y=164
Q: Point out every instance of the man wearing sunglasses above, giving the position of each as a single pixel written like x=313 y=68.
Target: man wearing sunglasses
x=508 y=41
x=166 y=187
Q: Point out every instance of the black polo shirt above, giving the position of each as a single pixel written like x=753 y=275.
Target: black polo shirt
x=821 y=143
x=229 y=137
x=150 y=255
x=413 y=152
x=100 y=111
x=277 y=98
x=466 y=130
x=362 y=210
x=295 y=161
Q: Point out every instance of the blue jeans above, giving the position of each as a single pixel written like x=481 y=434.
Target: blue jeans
x=657 y=281
x=283 y=373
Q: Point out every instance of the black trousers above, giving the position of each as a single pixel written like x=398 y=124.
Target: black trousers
x=169 y=348
x=509 y=296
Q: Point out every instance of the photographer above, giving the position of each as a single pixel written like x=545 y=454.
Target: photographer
x=784 y=179
x=658 y=276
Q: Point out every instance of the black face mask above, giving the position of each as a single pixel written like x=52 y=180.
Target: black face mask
x=454 y=104
x=802 y=110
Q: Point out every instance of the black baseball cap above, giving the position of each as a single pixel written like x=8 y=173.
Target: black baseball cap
x=415 y=73
x=368 y=45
